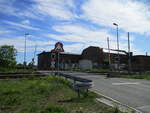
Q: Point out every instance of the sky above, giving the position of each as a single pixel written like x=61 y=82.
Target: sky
x=76 y=23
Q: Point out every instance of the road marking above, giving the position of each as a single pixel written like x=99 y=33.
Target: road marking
x=106 y=101
x=126 y=83
x=116 y=101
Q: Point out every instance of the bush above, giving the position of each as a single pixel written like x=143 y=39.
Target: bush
x=7 y=56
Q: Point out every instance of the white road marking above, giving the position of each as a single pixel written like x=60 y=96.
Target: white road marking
x=106 y=101
x=126 y=83
x=116 y=101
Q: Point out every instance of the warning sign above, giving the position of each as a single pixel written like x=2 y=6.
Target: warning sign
x=58 y=47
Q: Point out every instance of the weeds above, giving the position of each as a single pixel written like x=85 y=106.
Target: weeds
x=45 y=95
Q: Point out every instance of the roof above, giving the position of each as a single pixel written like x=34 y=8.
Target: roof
x=67 y=53
x=141 y=56
x=93 y=47
x=44 y=53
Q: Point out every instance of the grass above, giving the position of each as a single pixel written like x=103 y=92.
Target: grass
x=13 y=70
x=101 y=70
x=46 y=95
x=147 y=77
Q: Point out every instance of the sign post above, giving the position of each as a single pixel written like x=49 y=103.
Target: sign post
x=58 y=48
x=53 y=58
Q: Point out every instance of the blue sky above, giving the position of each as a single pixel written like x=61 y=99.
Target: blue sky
x=76 y=23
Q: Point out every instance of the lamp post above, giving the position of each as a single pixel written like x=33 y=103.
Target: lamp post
x=26 y=34
x=129 y=54
x=34 y=54
x=109 y=54
x=118 y=64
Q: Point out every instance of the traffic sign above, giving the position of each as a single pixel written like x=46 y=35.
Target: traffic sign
x=58 y=47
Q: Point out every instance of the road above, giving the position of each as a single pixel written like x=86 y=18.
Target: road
x=132 y=92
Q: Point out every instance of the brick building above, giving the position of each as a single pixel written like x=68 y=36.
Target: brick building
x=141 y=63
x=95 y=55
x=66 y=60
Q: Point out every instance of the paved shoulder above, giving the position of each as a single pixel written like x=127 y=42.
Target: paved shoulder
x=132 y=92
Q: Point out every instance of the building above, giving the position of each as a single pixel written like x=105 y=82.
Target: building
x=141 y=63
x=91 y=57
x=66 y=60
x=94 y=54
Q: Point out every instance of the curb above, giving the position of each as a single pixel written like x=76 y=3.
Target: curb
x=117 y=102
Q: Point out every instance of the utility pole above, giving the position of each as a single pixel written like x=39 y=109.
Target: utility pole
x=129 y=55
x=146 y=54
x=58 y=64
x=34 y=54
x=25 y=50
x=117 y=46
x=109 y=54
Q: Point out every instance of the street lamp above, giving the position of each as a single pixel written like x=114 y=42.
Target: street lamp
x=117 y=44
x=129 y=54
x=26 y=34
x=109 y=59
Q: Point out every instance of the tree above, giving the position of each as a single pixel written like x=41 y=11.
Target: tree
x=7 y=56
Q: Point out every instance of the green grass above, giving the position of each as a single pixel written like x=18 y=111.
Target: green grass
x=147 y=77
x=92 y=70
x=13 y=70
x=98 y=70
x=138 y=76
x=46 y=95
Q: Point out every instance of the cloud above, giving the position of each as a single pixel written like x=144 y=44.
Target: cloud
x=124 y=37
x=55 y=8
x=6 y=7
x=2 y=32
x=21 y=25
x=72 y=48
x=131 y=15
x=25 y=22
x=18 y=42
x=78 y=33
x=78 y=37
x=12 y=10
x=81 y=37
x=37 y=9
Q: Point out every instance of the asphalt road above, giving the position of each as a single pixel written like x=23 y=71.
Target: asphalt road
x=132 y=92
